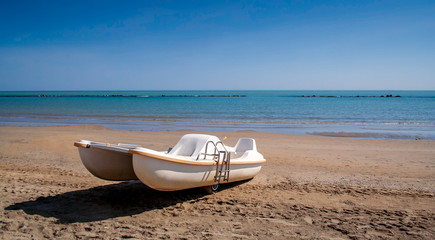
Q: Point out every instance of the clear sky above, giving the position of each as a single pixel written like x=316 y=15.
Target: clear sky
x=164 y=45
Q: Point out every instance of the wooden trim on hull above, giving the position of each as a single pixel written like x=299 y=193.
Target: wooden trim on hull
x=103 y=146
x=79 y=144
x=191 y=162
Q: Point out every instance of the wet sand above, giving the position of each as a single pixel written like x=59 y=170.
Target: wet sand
x=310 y=187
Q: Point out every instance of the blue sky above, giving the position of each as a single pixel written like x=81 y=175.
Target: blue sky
x=165 y=45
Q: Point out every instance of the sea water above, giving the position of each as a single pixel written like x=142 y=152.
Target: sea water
x=358 y=114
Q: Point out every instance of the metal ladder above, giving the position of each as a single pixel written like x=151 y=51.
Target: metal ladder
x=222 y=164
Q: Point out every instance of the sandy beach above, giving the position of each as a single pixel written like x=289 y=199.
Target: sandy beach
x=310 y=188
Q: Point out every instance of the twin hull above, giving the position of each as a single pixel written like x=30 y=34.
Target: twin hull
x=170 y=176
x=108 y=164
x=112 y=164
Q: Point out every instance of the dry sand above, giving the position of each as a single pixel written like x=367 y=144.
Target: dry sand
x=310 y=187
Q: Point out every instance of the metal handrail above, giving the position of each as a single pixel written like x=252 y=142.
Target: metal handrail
x=208 y=154
x=222 y=167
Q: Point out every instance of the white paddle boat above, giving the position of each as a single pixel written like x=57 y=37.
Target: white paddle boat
x=197 y=160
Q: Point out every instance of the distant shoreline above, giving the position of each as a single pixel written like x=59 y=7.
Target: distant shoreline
x=338 y=134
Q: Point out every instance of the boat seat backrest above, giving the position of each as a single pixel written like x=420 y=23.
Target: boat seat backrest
x=245 y=144
x=191 y=145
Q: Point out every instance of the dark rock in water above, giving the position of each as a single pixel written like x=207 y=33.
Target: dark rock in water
x=382 y=95
x=397 y=96
x=389 y=95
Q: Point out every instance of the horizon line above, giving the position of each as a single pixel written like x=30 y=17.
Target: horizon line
x=219 y=90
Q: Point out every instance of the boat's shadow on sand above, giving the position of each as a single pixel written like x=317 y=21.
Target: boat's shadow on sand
x=105 y=202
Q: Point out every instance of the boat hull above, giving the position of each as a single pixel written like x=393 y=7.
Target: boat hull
x=166 y=175
x=108 y=164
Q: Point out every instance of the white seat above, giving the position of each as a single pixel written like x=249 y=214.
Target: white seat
x=245 y=144
x=191 y=145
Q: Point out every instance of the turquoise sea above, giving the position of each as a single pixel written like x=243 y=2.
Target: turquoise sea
x=357 y=114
